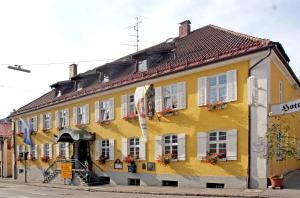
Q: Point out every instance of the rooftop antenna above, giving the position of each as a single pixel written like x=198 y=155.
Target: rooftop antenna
x=136 y=29
x=19 y=68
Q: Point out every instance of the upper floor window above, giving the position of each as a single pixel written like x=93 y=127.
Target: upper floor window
x=142 y=65
x=105 y=148
x=19 y=126
x=134 y=147
x=33 y=124
x=281 y=92
x=104 y=110
x=46 y=150
x=79 y=85
x=170 y=146
x=62 y=118
x=33 y=152
x=81 y=115
x=128 y=106
x=217 y=143
x=170 y=97
x=217 y=88
x=46 y=121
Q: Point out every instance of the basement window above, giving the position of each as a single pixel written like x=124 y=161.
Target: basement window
x=215 y=185
x=133 y=182
x=169 y=183
x=142 y=65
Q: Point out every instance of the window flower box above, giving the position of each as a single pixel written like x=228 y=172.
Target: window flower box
x=213 y=158
x=216 y=106
x=130 y=116
x=32 y=132
x=129 y=159
x=45 y=159
x=59 y=128
x=167 y=112
x=165 y=159
x=46 y=130
x=102 y=159
x=61 y=157
x=103 y=122
x=20 y=134
x=20 y=158
x=31 y=157
x=81 y=126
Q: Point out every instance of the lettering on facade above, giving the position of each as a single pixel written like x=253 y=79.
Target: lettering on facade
x=284 y=108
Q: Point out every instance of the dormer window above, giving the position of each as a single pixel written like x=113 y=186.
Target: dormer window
x=142 y=65
x=79 y=86
x=105 y=78
x=58 y=93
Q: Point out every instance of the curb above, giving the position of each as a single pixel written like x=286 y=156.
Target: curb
x=89 y=189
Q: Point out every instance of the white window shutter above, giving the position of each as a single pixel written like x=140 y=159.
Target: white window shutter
x=124 y=105
x=142 y=149
x=97 y=149
x=67 y=123
x=57 y=124
x=41 y=121
x=111 y=149
x=158 y=99
x=181 y=95
x=50 y=120
x=30 y=149
x=35 y=123
x=86 y=114
x=50 y=151
x=67 y=150
x=17 y=151
x=231 y=85
x=124 y=148
x=97 y=111
x=201 y=145
x=111 y=109
x=42 y=150
x=74 y=115
x=252 y=91
x=231 y=144
x=36 y=151
x=158 y=147
x=202 y=91
x=181 y=146
x=17 y=126
x=57 y=149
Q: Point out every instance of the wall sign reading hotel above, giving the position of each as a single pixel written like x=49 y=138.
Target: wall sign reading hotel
x=285 y=108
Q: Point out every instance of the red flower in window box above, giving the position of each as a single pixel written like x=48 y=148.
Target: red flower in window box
x=45 y=159
x=213 y=158
x=81 y=126
x=130 y=116
x=216 y=105
x=61 y=157
x=102 y=159
x=166 y=111
x=165 y=159
x=59 y=128
x=129 y=159
x=46 y=130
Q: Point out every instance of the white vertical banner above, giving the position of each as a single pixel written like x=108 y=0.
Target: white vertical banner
x=140 y=104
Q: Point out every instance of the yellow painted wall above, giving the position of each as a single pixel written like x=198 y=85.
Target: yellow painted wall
x=280 y=167
x=191 y=120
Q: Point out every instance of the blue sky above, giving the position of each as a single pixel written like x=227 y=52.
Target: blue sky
x=51 y=31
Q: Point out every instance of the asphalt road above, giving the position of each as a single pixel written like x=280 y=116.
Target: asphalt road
x=8 y=190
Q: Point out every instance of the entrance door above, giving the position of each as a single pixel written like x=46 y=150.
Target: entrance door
x=84 y=153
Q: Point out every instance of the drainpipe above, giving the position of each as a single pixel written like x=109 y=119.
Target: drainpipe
x=249 y=116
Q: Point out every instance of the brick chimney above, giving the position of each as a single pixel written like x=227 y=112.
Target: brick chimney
x=184 y=28
x=72 y=70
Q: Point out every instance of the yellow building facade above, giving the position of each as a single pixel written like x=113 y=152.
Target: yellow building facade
x=202 y=133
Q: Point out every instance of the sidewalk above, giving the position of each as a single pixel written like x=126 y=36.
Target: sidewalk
x=182 y=191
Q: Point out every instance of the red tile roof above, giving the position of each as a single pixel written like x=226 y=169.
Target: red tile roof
x=202 y=46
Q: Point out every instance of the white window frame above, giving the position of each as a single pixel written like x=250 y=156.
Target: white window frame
x=80 y=114
x=142 y=65
x=46 y=150
x=104 y=148
x=105 y=110
x=62 y=118
x=47 y=120
x=131 y=104
x=281 y=91
x=171 y=96
x=171 y=144
x=31 y=124
x=217 y=87
x=135 y=147
x=62 y=150
x=21 y=149
x=217 y=142
x=33 y=151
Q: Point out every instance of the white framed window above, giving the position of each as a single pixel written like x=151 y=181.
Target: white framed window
x=171 y=96
x=217 y=142
x=281 y=91
x=170 y=146
x=62 y=149
x=19 y=126
x=105 y=148
x=131 y=105
x=81 y=114
x=46 y=121
x=33 y=151
x=142 y=65
x=62 y=118
x=46 y=150
x=217 y=88
x=20 y=151
x=128 y=106
x=104 y=110
x=33 y=124
x=134 y=147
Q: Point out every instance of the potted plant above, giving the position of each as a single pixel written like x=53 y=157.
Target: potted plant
x=280 y=144
x=130 y=116
x=61 y=157
x=102 y=159
x=131 y=164
x=216 y=105
x=165 y=159
x=166 y=111
x=45 y=158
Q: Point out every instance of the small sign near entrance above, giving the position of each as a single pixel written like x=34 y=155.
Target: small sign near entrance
x=284 y=108
x=66 y=170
